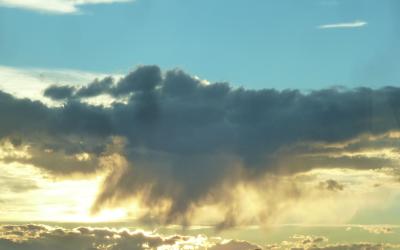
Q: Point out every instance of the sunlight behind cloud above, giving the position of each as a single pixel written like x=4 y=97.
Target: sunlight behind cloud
x=47 y=199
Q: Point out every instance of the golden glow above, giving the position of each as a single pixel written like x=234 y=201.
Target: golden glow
x=8 y=150
x=108 y=215
x=270 y=201
x=82 y=157
x=50 y=199
x=299 y=199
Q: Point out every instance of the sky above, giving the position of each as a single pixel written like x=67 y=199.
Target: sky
x=246 y=43
x=210 y=125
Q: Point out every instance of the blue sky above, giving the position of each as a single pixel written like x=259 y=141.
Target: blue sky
x=256 y=44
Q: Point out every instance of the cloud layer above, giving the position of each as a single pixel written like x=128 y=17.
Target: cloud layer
x=41 y=237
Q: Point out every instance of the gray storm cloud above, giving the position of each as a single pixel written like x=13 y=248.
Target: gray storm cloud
x=183 y=139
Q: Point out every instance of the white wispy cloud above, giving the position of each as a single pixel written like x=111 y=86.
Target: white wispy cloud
x=31 y=82
x=55 y=6
x=349 y=25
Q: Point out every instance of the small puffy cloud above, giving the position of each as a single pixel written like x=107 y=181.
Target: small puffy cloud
x=309 y=239
x=331 y=185
x=95 y=88
x=299 y=241
x=59 y=92
x=378 y=229
x=235 y=245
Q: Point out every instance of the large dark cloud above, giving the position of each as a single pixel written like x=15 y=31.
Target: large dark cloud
x=183 y=139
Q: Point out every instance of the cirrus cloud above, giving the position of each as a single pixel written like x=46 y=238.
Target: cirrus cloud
x=55 y=6
x=349 y=25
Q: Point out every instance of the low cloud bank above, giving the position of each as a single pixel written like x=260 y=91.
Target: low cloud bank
x=42 y=237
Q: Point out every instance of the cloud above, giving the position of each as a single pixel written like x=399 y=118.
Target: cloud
x=96 y=88
x=307 y=242
x=55 y=6
x=176 y=142
x=354 y=246
x=331 y=185
x=17 y=186
x=378 y=229
x=43 y=237
x=59 y=92
x=31 y=82
x=235 y=245
x=350 y=25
